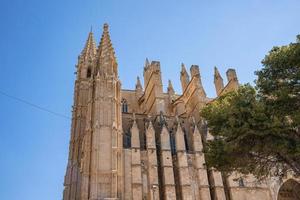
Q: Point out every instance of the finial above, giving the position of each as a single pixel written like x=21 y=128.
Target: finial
x=138 y=85
x=105 y=27
x=138 y=81
x=133 y=117
x=91 y=30
x=170 y=83
x=147 y=62
x=182 y=66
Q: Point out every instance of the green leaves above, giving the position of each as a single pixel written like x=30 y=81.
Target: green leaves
x=256 y=130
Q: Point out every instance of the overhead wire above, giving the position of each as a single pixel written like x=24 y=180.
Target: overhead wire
x=34 y=105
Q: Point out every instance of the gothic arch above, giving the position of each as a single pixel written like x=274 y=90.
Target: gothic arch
x=124 y=106
x=289 y=190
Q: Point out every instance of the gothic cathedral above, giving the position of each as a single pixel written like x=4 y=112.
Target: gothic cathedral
x=146 y=144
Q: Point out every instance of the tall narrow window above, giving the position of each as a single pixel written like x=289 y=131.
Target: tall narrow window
x=173 y=143
x=186 y=141
x=124 y=106
x=89 y=73
x=127 y=140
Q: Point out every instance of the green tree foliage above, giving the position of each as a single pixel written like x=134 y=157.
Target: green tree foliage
x=256 y=130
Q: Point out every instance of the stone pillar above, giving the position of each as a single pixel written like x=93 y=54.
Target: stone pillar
x=127 y=175
x=233 y=82
x=199 y=164
x=182 y=164
x=136 y=169
x=184 y=78
x=167 y=165
x=153 y=186
x=86 y=148
x=218 y=81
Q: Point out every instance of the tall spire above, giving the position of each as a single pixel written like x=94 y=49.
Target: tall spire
x=106 y=53
x=89 y=50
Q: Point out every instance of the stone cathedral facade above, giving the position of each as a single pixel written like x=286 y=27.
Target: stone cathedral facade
x=146 y=143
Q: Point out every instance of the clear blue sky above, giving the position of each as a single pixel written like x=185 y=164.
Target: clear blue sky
x=40 y=42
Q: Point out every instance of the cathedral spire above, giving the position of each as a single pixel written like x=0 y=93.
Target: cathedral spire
x=106 y=55
x=89 y=50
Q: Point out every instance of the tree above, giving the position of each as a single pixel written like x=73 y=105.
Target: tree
x=256 y=130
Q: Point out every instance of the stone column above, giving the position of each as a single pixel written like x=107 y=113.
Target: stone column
x=136 y=169
x=127 y=175
x=183 y=170
x=153 y=186
x=167 y=165
x=199 y=164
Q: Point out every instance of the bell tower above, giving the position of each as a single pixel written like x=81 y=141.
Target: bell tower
x=99 y=147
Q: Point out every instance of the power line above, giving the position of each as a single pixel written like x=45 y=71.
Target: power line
x=34 y=105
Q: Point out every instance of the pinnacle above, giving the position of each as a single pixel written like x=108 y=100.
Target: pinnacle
x=216 y=73
x=179 y=129
x=138 y=83
x=90 y=47
x=150 y=126
x=170 y=87
x=164 y=128
x=196 y=130
x=105 y=47
x=183 y=67
x=134 y=120
x=105 y=27
x=170 y=84
x=147 y=63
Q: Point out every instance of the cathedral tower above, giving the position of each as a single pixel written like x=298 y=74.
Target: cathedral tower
x=95 y=162
x=152 y=148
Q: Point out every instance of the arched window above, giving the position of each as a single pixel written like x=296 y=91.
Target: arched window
x=186 y=141
x=89 y=73
x=173 y=143
x=124 y=106
x=127 y=140
x=289 y=190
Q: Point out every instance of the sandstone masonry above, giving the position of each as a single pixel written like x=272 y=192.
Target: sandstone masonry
x=145 y=143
